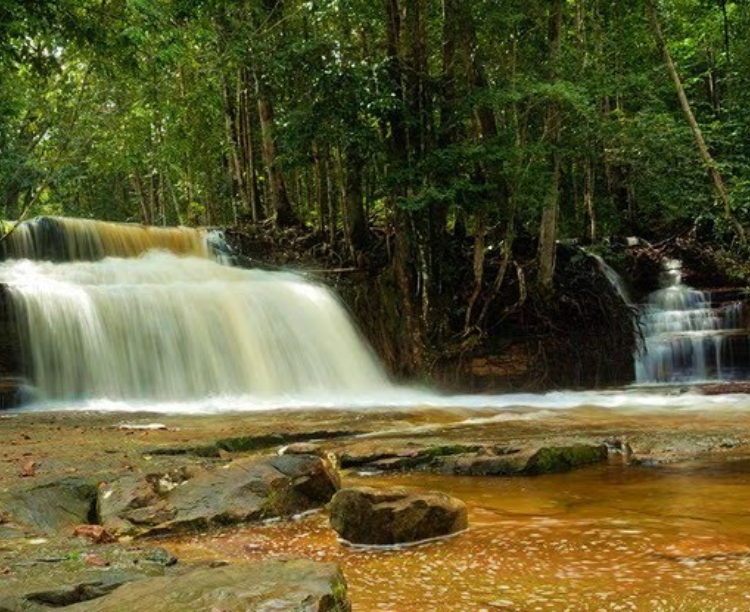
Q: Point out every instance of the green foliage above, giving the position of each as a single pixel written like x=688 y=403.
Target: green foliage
x=133 y=110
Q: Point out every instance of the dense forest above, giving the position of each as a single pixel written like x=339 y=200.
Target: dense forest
x=409 y=123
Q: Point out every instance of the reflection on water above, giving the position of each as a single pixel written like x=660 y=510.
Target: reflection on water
x=610 y=538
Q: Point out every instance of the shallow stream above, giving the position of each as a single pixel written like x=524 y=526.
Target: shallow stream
x=612 y=538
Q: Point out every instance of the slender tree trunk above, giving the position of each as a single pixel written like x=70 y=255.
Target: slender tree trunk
x=399 y=158
x=589 y=212
x=138 y=186
x=548 y=228
x=281 y=205
x=480 y=232
x=355 y=213
x=230 y=126
x=246 y=130
x=708 y=161
x=319 y=188
x=330 y=198
x=725 y=20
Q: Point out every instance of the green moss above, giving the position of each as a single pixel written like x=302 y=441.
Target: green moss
x=557 y=459
x=447 y=451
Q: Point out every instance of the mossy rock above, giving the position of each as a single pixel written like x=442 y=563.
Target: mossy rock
x=558 y=459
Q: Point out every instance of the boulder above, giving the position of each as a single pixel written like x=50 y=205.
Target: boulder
x=271 y=586
x=556 y=459
x=482 y=465
x=365 y=515
x=187 y=499
x=51 y=507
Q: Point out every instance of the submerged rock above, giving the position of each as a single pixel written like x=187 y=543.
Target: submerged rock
x=273 y=586
x=365 y=515
x=244 y=490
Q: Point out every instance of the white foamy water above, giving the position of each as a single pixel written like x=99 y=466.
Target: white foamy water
x=686 y=338
x=508 y=407
x=164 y=332
x=170 y=329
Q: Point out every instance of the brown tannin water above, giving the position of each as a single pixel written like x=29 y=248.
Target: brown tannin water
x=611 y=538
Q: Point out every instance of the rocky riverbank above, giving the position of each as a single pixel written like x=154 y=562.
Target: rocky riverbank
x=83 y=494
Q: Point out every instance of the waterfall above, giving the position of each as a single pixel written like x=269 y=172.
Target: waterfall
x=618 y=284
x=688 y=336
x=64 y=239
x=129 y=312
x=175 y=328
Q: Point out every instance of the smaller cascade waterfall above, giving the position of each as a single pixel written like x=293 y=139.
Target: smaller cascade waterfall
x=67 y=239
x=618 y=284
x=690 y=335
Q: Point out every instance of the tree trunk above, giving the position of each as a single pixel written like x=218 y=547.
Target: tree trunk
x=589 y=212
x=333 y=216
x=281 y=205
x=355 y=212
x=319 y=187
x=708 y=161
x=138 y=186
x=399 y=158
x=548 y=228
x=231 y=128
x=247 y=148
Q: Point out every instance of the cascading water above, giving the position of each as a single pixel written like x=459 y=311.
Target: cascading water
x=618 y=284
x=64 y=239
x=171 y=326
x=173 y=330
x=176 y=328
x=686 y=337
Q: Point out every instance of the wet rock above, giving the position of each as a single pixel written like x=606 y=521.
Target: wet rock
x=61 y=597
x=483 y=465
x=365 y=515
x=619 y=449
x=244 y=490
x=303 y=448
x=160 y=556
x=648 y=462
x=273 y=586
x=60 y=579
x=51 y=507
x=358 y=458
x=406 y=458
x=556 y=459
x=14 y=392
x=95 y=533
x=251 y=444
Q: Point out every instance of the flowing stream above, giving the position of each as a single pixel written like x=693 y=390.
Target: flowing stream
x=604 y=539
x=122 y=317
x=690 y=335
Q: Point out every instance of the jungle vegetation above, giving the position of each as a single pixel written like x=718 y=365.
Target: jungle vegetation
x=421 y=120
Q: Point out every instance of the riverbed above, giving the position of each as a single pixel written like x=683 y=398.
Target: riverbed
x=666 y=529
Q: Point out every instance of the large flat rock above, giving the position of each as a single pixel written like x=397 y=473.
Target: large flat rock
x=61 y=573
x=273 y=586
x=247 y=489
